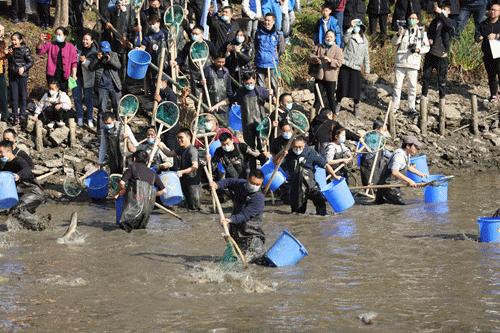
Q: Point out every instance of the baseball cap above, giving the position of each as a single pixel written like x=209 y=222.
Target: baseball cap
x=105 y=46
x=412 y=140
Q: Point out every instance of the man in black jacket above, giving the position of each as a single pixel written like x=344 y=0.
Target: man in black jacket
x=222 y=28
x=440 y=32
x=322 y=127
x=489 y=30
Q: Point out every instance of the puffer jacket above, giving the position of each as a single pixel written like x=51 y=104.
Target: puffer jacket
x=404 y=57
x=268 y=46
x=112 y=65
x=20 y=57
x=356 y=54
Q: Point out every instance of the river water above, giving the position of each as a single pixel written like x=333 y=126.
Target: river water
x=417 y=268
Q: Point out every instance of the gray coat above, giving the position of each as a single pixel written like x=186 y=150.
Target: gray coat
x=356 y=54
x=112 y=65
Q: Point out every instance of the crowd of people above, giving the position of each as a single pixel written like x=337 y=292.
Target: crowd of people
x=244 y=56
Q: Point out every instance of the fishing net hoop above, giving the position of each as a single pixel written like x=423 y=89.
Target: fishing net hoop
x=72 y=187
x=128 y=114
x=114 y=183
x=264 y=128
x=177 y=21
x=299 y=121
x=373 y=148
x=199 y=48
x=160 y=116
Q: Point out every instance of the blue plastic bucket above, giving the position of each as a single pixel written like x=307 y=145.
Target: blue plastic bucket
x=138 y=63
x=286 y=251
x=338 y=195
x=213 y=147
x=119 y=202
x=279 y=178
x=8 y=190
x=97 y=185
x=234 y=118
x=489 y=229
x=420 y=163
x=173 y=191
x=436 y=193
x=320 y=176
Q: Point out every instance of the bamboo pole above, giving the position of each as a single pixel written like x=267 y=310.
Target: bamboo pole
x=442 y=116
x=475 y=117
x=423 y=115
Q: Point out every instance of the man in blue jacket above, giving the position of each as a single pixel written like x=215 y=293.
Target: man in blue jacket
x=269 y=45
x=247 y=216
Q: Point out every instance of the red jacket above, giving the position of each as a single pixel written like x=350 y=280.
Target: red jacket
x=69 y=57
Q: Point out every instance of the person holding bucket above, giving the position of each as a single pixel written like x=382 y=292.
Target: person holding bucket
x=300 y=164
x=245 y=223
x=29 y=191
x=140 y=185
x=395 y=170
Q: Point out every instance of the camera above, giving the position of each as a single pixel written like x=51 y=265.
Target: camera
x=401 y=24
x=412 y=48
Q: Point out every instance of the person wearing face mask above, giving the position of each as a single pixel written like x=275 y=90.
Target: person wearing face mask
x=245 y=223
x=252 y=11
x=62 y=58
x=155 y=8
x=286 y=105
x=140 y=186
x=20 y=62
x=322 y=127
x=187 y=66
x=299 y=163
x=356 y=56
x=54 y=107
x=218 y=81
x=222 y=28
x=11 y=135
x=4 y=108
x=395 y=171
x=411 y=44
x=160 y=161
x=269 y=45
x=337 y=153
x=239 y=55
x=325 y=62
x=84 y=91
x=368 y=158
x=326 y=23
x=403 y=9
x=252 y=100
x=112 y=148
x=441 y=31
x=107 y=78
x=29 y=191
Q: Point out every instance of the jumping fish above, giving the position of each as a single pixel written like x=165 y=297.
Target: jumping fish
x=71 y=229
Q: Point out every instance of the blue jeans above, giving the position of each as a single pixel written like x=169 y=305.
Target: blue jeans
x=477 y=10
x=87 y=99
x=103 y=100
x=339 y=16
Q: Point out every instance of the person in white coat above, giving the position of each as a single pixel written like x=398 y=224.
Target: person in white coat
x=252 y=10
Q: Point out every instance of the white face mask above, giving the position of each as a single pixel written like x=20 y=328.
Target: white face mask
x=155 y=28
x=252 y=188
x=228 y=148
x=342 y=138
x=289 y=106
x=52 y=93
x=225 y=18
x=287 y=135
x=297 y=151
x=60 y=38
x=151 y=140
x=240 y=39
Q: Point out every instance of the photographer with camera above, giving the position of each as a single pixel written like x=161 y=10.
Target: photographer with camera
x=441 y=31
x=411 y=42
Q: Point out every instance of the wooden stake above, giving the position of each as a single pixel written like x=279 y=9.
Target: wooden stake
x=72 y=132
x=442 y=116
x=475 y=116
x=392 y=122
x=423 y=115
x=318 y=91
x=39 y=135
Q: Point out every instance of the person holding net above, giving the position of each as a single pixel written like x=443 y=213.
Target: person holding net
x=245 y=223
x=160 y=161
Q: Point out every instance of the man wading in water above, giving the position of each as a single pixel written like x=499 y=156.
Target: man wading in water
x=246 y=219
x=396 y=170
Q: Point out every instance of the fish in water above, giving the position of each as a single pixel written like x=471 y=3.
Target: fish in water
x=367 y=318
x=66 y=238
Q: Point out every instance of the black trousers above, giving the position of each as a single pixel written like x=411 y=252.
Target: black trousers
x=191 y=194
x=441 y=65
x=4 y=109
x=51 y=114
x=492 y=67
x=373 y=19
x=43 y=13
x=327 y=88
x=317 y=199
x=18 y=9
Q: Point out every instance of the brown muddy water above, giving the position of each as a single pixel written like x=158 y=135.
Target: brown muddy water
x=419 y=268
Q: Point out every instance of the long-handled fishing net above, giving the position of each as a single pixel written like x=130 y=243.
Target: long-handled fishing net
x=299 y=121
x=167 y=114
x=375 y=141
x=205 y=124
x=199 y=53
x=114 y=184
x=264 y=128
x=73 y=186
x=128 y=106
x=173 y=16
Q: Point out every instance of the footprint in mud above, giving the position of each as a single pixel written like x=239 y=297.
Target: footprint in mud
x=216 y=275
x=63 y=281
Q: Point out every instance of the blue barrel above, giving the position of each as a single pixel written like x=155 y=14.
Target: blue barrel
x=489 y=229
x=213 y=147
x=97 y=185
x=234 y=118
x=279 y=178
x=119 y=202
x=138 y=63
x=286 y=251
x=436 y=193
x=8 y=192
x=173 y=191
x=320 y=176
x=420 y=163
x=338 y=195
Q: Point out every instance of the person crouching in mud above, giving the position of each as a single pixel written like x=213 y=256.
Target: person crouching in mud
x=396 y=170
x=140 y=185
x=29 y=191
x=246 y=219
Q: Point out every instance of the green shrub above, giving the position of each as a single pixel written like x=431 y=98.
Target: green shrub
x=466 y=54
